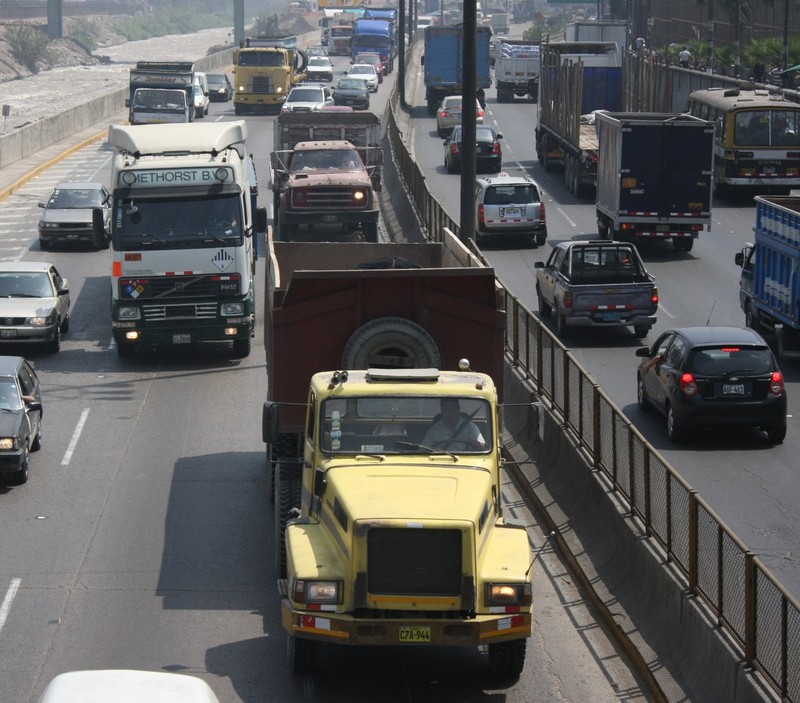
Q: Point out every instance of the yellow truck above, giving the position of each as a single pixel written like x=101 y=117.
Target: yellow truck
x=265 y=69
x=386 y=468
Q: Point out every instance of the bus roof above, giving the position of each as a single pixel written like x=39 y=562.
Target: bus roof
x=733 y=98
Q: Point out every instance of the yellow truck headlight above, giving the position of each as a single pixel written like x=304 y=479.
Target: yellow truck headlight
x=318 y=592
x=508 y=594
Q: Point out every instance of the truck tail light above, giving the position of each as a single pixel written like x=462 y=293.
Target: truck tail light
x=454 y=148
x=542 y=215
x=496 y=148
x=776 y=384
x=688 y=385
x=481 y=215
x=479 y=113
x=567 y=300
x=654 y=297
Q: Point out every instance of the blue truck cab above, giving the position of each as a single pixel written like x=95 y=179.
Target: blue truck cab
x=377 y=36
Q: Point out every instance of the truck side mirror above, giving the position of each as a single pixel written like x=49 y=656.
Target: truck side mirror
x=319 y=481
x=738 y=259
x=422 y=60
x=99 y=236
x=260 y=220
x=270 y=419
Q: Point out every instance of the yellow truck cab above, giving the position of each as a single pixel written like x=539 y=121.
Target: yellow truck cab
x=399 y=536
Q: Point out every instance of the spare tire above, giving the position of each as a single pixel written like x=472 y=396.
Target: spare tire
x=390 y=342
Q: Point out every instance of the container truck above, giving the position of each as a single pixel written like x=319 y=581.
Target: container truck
x=654 y=176
x=443 y=62
x=375 y=36
x=769 y=287
x=605 y=31
x=183 y=255
x=577 y=78
x=389 y=528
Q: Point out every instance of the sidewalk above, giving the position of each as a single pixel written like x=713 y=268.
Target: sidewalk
x=15 y=175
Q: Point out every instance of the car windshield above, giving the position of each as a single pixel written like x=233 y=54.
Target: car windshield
x=20 y=284
x=75 y=198
x=364 y=70
x=727 y=360
x=321 y=63
x=9 y=394
x=406 y=425
x=261 y=58
x=351 y=84
x=306 y=95
x=216 y=80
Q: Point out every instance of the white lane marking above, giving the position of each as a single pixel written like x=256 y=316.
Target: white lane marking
x=665 y=311
x=565 y=216
x=5 y=607
x=75 y=437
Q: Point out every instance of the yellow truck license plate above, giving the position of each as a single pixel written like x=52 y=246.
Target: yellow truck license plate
x=415 y=634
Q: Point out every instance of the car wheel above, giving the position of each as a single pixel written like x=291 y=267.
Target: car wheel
x=674 y=430
x=20 y=476
x=65 y=324
x=544 y=306
x=55 y=343
x=641 y=397
x=561 y=325
x=44 y=245
x=640 y=331
x=37 y=440
x=776 y=435
x=241 y=348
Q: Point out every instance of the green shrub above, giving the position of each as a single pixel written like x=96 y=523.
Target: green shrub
x=29 y=45
x=85 y=33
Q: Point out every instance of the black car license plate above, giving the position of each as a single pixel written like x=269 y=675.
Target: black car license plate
x=735 y=389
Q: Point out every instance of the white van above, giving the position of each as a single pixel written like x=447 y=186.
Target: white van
x=201 y=80
x=127 y=686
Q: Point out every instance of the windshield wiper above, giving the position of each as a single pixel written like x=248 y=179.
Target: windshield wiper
x=430 y=450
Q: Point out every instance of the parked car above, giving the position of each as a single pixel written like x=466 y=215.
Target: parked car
x=353 y=92
x=127 y=685
x=448 y=114
x=712 y=376
x=201 y=100
x=34 y=304
x=374 y=59
x=367 y=72
x=509 y=205
x=488 y=152
x=20 y=417
x=319 y=68
x=307 y=98
x=220 y=88
x=67 y=216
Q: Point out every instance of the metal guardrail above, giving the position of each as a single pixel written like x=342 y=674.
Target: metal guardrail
x=760 y=617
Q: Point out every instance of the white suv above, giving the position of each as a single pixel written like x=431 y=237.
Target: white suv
x=307 y=98
x=509 y=205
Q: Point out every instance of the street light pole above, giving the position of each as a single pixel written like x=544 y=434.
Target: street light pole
x=468 y=99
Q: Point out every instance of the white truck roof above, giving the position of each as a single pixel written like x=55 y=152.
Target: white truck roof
x=127 y=686
x=189 y=138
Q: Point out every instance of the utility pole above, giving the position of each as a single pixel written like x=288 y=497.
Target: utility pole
x=468 y=116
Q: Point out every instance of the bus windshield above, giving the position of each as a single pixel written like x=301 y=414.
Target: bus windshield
x=767 y=128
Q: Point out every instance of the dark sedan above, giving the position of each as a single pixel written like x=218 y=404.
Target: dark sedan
x=712 y=376
x=353 y=92
x=219 y=87
x=488 y=152
x=20 y=417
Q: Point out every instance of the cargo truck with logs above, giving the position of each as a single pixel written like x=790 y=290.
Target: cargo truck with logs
x=654 y=176
x=325 y=175
x=769 y=287
x=577 y=78
x=383 y=449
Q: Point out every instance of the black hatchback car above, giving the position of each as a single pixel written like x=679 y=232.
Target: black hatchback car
x=20 y=417
x=712 y=376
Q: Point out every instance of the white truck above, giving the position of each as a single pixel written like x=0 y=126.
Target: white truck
x=161 y=91
x=500 y=23
x=183 y=257
x=517 y=65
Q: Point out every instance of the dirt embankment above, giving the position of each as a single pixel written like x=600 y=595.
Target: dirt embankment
x=68 y=52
